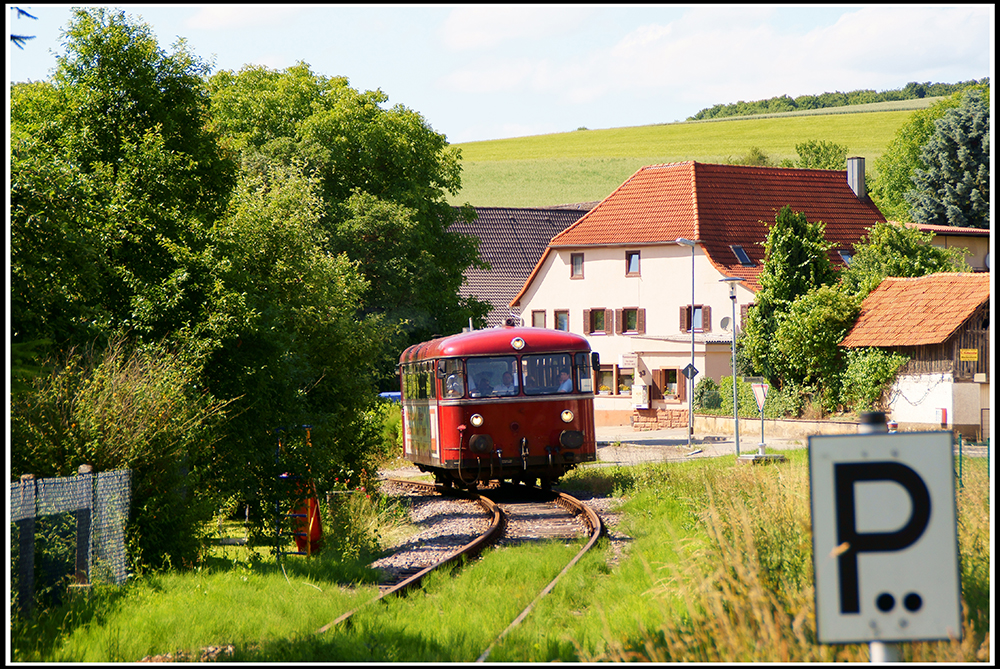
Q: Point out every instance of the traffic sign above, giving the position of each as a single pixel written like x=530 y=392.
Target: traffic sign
x=885 y=540
x=690 y=371
x=760 y=394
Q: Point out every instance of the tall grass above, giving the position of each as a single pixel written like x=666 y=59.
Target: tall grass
x=748 y=585
x=716 y=567
x=587 y=165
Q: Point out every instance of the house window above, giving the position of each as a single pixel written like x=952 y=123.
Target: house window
x=846 y=255
x=741 y=255
x=631 y=263
x=702 y=318
x=598 y=321
x=606 y=380
x=562 y=321
x=538 y=319
x=630 y=321
x=625 y=379
x=668 y=384
x=576 y=266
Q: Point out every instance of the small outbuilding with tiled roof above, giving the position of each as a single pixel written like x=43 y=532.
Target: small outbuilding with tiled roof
x=641 y=273
x=941 y=322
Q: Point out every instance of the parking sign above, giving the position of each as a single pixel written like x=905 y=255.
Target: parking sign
x=885 y=542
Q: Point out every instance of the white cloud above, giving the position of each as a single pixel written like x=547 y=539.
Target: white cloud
x=225 y=17
x=487 y=26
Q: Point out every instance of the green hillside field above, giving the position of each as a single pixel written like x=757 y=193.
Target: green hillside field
x=587 y=165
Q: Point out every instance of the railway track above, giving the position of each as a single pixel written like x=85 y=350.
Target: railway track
x=516 y=514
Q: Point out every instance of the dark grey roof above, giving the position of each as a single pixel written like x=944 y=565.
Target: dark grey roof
x=511 y=241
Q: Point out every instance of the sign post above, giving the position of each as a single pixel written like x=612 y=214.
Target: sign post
x=760 y=394
x=885 y=541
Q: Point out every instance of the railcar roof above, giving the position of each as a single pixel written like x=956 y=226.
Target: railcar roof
x=496 y=341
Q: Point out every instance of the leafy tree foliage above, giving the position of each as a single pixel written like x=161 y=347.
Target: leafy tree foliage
x=869 y=372
x=891 y=249
x=954 y=189
x=383 y=175
x=821 y=155
x=894 y=169
x=795 y=262
x=808 y=338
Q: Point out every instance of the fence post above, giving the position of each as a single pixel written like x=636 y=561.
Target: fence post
x=83 y=523
x=26 y=548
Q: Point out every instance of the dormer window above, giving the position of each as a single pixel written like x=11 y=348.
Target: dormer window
x=741 y=255
x=846 y=255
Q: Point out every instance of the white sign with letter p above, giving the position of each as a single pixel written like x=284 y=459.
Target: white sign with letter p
x=885 y=540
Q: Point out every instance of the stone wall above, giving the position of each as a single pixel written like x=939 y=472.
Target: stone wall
x=658 y=419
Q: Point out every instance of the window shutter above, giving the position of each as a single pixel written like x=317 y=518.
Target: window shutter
x=685 y=314
x=682 y=386
x=656 y=389
x=706 y=318
x=609 y=321
x=586 y=321
x=619 y=321
x=640 y=321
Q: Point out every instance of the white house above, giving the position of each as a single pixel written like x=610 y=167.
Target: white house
x=623 y=274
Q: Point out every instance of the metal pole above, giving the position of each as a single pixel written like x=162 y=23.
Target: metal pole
x=736 y=397
x=879 y=652
x=691 y=380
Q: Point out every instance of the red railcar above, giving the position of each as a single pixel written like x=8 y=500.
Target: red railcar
x=500 y=404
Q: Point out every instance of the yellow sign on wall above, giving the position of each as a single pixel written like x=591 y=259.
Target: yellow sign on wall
x=968 y=354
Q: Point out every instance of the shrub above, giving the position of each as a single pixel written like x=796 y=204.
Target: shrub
x=706 y=395
x=870 y=371
x=126 y=408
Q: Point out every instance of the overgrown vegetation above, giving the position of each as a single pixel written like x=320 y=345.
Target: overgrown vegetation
x=716 y=565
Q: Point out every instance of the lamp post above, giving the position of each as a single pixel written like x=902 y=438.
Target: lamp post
x=732 y=281
x=688 y=242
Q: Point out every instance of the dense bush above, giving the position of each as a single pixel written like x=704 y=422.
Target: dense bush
x=870 y=371
x=127 y=408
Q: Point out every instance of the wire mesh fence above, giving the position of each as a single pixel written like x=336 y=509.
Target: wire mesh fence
x=67 y=532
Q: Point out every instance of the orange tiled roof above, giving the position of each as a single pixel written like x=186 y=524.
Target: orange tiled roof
x=918 y=311
x=719 y=206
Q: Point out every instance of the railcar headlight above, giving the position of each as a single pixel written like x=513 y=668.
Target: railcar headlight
x=517 y=343
x=476 y=420
x=567 y=416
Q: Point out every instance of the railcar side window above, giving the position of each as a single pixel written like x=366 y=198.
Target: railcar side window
x=493 y=376
x=583 y=373
x=543 y=374
x=453 y=375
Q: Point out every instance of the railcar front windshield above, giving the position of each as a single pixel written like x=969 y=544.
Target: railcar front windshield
x=495 y=376
x=505 y=375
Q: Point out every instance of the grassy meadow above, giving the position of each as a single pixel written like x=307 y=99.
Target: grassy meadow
x=587 y=165
x=715 y=565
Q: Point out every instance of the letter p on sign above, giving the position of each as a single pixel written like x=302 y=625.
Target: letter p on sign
x=885 y=542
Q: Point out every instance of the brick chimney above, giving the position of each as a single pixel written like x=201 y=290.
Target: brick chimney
x=856 y=176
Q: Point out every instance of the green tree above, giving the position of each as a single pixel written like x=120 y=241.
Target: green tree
x=808 y=338
x=954 y=189
x=821 y=155
x=869 y=372
x=890 y=249
x=114 y=184
x=383 y=174
x=795 y=262
x=894 y=169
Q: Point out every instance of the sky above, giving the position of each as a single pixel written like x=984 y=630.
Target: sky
x=481 y=72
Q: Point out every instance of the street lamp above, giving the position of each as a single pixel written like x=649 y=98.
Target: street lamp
x=692 y=370
x=732 y=281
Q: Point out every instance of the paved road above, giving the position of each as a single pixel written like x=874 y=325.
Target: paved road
x=622 y=445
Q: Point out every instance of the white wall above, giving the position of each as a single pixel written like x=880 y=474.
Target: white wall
x=663 y=287
x=915 y=398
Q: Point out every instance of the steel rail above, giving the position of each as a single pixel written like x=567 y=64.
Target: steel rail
x=593 y=522
x=489 y=536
